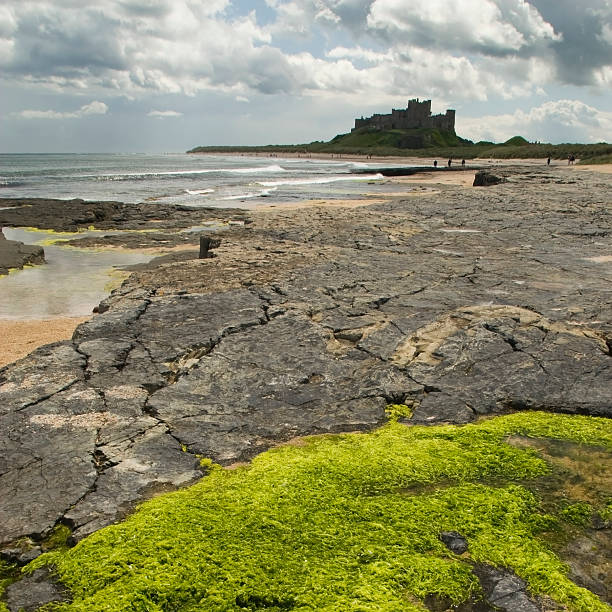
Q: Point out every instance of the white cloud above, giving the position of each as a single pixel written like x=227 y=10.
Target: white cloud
x=359 y=53
x=554 y=121
x=8 y=23
x=163 y=114
x=407 y=71
x=377 y=50
x=486 y=26
x=93 y=108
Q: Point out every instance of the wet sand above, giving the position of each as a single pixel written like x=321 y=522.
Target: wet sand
x=606 y=168
x=465 y=178
x=21 y=337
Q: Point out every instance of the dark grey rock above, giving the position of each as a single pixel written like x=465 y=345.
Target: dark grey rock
x=72 y=215
x=270 y=383
x=15 y=254
x=441 y=408
x=561 y=370
x=504 y=590
x=20 y=556
x=454 y=541
x=484 y=178
x=310 y=321
x=34 y=591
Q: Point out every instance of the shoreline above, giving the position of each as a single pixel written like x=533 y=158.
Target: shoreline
x=25 y=335
x=411 y=161
x=454 y=304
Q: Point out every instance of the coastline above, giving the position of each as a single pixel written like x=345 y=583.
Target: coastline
x=25 y=335
x=446 y=302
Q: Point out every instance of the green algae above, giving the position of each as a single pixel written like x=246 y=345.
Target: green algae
x=395 y=412
x=58 y=539
x=8 y=574
x=343 y=522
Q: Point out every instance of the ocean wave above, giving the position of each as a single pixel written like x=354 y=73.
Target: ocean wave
x=199 y=191
x=322 y=180
x=264 y=193
x=9 y=183
x=130 y=176
x=273 y=168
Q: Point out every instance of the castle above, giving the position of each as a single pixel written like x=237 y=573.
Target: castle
x=417 y=115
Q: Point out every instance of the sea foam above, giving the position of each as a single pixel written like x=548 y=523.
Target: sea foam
x=322 y=180
x=199 y=191
x=127 y=176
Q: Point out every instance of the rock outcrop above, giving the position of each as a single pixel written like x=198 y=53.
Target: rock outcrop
x=74 y=215
x=484 y=178
x=15 y=254
x=461 y=303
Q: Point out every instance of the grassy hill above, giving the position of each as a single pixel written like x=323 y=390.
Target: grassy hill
x=398 y=139
x=429 y=143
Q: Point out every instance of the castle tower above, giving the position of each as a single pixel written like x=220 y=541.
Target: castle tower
x=416 y=115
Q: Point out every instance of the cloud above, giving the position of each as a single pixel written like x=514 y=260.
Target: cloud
x=133 y=46
x=93 y=108
x=586 y=45
x=164 y=114
x=358 y=53
x=554 y=121
x=470 y=49
x=490 y=27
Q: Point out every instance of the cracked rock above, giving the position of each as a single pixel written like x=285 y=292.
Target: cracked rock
x=34 y=591
x=310 y=321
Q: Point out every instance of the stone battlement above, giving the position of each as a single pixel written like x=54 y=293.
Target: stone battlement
x=416 y=115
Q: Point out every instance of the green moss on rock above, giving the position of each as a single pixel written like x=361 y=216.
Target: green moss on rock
x=345 y=522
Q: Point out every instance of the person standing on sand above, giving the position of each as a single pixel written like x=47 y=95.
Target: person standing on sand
x=463 y=163
x=548 y=162
x=435 y=163
x=450 y=161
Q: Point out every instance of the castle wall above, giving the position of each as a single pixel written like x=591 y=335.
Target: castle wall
x=416 y=115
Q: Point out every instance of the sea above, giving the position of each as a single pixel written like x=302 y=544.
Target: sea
x=74 y=280
x=198 y=180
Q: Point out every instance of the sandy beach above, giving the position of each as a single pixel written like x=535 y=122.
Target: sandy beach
x=19 y=338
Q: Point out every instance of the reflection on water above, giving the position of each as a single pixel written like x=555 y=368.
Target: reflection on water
x=70 y=284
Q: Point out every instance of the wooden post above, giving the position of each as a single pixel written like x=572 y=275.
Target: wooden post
x=204 y=246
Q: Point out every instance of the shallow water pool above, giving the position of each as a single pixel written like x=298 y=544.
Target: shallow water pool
x=70 y=284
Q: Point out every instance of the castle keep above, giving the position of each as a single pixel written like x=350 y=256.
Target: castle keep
x=417 y=115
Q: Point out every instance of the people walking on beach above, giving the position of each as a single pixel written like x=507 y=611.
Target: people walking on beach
x=435 y=163
x=450 y=161
x=463 y=163
x=548 y=162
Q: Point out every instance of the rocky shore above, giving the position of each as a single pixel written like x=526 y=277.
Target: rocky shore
x=460 y=303
x=15 y=254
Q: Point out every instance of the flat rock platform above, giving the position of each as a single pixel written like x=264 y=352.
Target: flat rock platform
x=461 y=303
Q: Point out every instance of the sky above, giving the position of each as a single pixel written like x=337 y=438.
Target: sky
x=168 y=75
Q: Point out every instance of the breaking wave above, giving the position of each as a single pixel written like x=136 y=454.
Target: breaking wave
x=322 y=180
x=131 y=176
